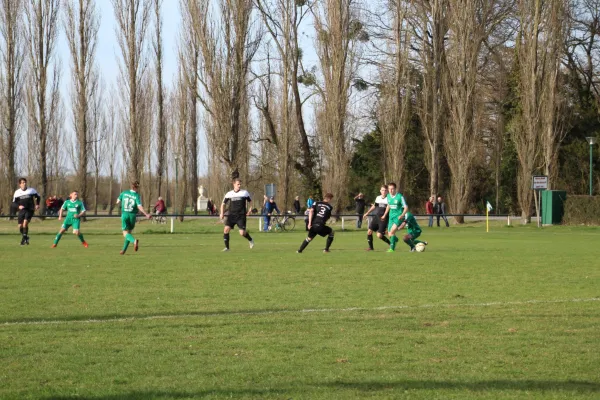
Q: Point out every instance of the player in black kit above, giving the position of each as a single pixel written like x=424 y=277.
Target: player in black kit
x=318 y=215
x=239 y=206
x=376 y=224
x=26 y=200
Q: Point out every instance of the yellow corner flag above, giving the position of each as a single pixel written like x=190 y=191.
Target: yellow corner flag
x=488 y=208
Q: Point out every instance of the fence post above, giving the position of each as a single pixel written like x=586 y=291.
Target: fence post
x=342 y=223
x=259 y=224
x=172 y=224
x=508 y=220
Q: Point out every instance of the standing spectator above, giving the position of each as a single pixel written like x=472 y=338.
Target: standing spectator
x=297 y=204
x=310 y=202
x=440 y=211
x=360 y=209
x=268 y=207
x=429 y=210
x=160 y=207
x=209 y=206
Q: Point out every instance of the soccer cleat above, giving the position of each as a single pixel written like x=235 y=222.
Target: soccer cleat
x=425 y=243
x=136 y=245
x=122 y=252
x=298 y=251
x=27 y=240
x=251 y=243
x=225 y=249
x=369 y=249
x=390 y=250
x=53 y=245
x=85 y=245
x=23 y=241
x=326 y=251
x=412 y=249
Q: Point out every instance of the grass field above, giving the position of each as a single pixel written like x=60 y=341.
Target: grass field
x=511 y=314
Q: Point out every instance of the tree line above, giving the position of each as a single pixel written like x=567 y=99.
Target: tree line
x=468 y=98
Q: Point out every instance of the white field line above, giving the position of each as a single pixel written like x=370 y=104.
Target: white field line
x=301 y=311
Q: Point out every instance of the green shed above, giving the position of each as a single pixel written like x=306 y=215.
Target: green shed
x=553 y=206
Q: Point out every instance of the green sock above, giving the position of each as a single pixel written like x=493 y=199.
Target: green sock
x=393 y=241
x=80 y=236
x=125 y=245
x=130 y=238
x=57 y=238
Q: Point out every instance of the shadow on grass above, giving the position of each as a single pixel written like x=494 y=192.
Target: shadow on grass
x=478 y=386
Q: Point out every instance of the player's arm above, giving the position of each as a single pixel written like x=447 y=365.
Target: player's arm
x=60 y=214
x=369 y=210
x=81 y=214
x=404 y=211
x=387 y=210
x=222 y=214
x=249 y=205
x=141 y=208
x=37 y=200
x=310 y=216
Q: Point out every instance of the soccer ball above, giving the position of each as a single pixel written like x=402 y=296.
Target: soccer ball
x=420 y=247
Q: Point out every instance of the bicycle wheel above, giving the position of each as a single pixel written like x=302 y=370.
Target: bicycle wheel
x=289 y=224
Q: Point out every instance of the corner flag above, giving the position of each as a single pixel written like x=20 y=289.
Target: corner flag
x=488 y=208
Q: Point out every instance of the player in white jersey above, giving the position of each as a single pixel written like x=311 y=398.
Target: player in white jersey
x=376 y=224
x=239 y=207
x=26 y=200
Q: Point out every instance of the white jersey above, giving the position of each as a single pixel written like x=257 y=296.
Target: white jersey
x=26 y=198
x=238 y=201
x=380 y=205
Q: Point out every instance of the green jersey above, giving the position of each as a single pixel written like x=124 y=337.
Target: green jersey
x=412 y=226
x=396 y=204
x=130 y=201
x=73 y=208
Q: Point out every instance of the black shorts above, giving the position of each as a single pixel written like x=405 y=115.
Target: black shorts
x=321 y=230
x=239 y=220
x=377 y=225
x=23 y=215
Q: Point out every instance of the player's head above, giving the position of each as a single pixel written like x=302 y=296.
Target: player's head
x=383 y=190
x=135 y=185
x=23 y=183
x=392 y=188
x=327 y=198
x=237 y=184
x=74 y=195
x=271 y=199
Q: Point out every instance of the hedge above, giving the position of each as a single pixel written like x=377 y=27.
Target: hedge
x=582 y=210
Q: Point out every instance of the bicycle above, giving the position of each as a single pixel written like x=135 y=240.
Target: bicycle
x=282 y=222
x=159 y=219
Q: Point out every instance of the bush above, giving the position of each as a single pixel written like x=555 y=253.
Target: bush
x=582 y=210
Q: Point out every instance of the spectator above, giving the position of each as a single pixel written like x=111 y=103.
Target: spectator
x=310 y=202
x=440 y=211
x=429 y=210
x=209 y=207
x=360 y=208
x=268 y=207
x=160 y=207
x=297 y=204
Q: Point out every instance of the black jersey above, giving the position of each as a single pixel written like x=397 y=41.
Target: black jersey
x=321 y=213
x=26 y=198
x=239 y=202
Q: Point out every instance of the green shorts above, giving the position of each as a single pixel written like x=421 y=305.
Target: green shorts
x=414 y=235
x=74 y=222
x=393 y=221
x=128 y=222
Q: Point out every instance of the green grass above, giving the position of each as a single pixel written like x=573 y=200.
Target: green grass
x=510 y=314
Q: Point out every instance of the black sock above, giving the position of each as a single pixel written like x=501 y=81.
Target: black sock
x=247 y=236
x=370 y=240
x=386 y=240
x=25 y=230
x=21 y=229
x=329 y=241
x=303 y=245
x=226 y=240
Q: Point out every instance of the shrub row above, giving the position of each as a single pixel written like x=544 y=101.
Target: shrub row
x=582 y=210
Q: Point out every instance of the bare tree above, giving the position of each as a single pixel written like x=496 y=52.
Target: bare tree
x=180 y=106
x=11 y=87
x=338 y=31
x=114 y=133
x=430 y=29
x=81 y=27
x=133 y=20
x=98 y=127
x=227 y=46
x=161 y=148
x=43 y=100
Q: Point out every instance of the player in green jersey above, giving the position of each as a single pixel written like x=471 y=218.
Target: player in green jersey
x=131 y=202
x=396 y=208
x=75 y=210
x=414 y=230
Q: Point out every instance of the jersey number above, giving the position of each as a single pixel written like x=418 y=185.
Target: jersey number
x=321 y=213
x=128 y=204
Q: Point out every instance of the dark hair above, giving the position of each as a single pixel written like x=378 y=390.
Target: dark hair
x=237 y=180
x=22 y=180
x=328 y=196
x=392 y=184
x=383 y=185
x=135 y=184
